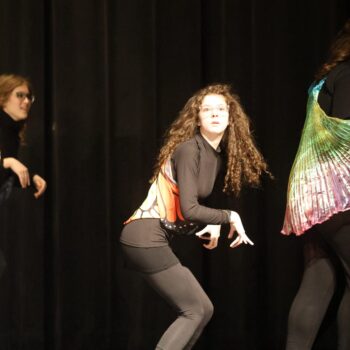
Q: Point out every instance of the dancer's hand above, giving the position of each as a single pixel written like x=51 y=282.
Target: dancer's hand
x=40 y=185
x=236 y=225
x=19 y=169
x=213 y=238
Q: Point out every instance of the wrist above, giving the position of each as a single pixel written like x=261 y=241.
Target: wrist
x=233 y=216
x=6 y=162
x=228 y=216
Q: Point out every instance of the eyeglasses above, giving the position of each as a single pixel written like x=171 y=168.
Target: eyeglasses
x=22 y=96
x=218 y=109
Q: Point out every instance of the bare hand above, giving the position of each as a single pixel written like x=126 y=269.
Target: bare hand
x=236 y=225
x=19 y=169
x=213 y=238
x=40 y=185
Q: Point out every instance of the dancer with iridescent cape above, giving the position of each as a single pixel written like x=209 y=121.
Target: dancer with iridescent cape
x=318 y=200
x=319 y=184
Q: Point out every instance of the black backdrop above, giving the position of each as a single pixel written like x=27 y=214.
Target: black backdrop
x=109 y=77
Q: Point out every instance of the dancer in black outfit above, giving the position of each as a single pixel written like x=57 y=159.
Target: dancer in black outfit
x=16 y=100
x=327 y=243
x=211 y=123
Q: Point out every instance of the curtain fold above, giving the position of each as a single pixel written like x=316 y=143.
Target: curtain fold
x=109 y=77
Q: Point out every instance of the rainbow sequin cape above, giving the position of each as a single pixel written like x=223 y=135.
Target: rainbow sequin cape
x=319 y=182
x=163 y=202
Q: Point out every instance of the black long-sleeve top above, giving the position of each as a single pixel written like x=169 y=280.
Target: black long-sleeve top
x=334 y=97
x=195 y=165
x=9 y=141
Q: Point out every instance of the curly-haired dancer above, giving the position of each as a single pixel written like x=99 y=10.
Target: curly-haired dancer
x=211 y=123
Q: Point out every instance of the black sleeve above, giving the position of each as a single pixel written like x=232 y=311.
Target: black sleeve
x=6 y=173
x=341 y=96
x=186 y=162
x=3 y=172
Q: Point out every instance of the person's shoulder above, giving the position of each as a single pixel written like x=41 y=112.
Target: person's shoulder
x=346 y=64
x=338 y=74
x=342 y=78
x=340 y=71
x=186 y=148
x=190 y=144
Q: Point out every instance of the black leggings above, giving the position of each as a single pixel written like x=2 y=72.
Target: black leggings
x=318 y=285
x=179 y=288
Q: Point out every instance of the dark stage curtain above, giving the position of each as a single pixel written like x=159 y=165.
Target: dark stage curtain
x=110 y=76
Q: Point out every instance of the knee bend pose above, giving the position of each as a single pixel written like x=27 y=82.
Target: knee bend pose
x=16 y=99
x=212 y=123
x=319 y=198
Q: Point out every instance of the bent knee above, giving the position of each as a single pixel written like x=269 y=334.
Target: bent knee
x=202 y=312
x=209 y=310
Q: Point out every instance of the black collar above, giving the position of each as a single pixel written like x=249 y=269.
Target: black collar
x=10 y=124
x=199 y=137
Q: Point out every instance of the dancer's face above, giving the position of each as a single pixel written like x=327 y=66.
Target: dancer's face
x=213 y=115
x=19 y=102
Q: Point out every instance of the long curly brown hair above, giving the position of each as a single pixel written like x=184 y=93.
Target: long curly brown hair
x=245 y=164
x=338 y=53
